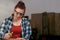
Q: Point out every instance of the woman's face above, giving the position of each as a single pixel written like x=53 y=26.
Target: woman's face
x=18 y=13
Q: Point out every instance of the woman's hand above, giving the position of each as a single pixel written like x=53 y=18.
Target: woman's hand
x=20 y=39
x=8 y=35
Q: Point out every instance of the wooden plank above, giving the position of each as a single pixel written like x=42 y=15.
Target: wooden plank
x=51 y=19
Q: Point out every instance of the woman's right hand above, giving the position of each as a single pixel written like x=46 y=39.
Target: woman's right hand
x=8 y=35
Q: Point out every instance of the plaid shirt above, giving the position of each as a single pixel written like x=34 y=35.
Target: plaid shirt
x=7 y=25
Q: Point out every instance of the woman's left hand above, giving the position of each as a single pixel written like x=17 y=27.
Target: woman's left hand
x=20 y=39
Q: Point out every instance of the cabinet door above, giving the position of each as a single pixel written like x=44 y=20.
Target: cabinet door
x=51 y=23
x=44 y=23
x=57 y=24
x=36 y=21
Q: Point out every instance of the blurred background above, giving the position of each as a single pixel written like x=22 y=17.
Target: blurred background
x=44 y=16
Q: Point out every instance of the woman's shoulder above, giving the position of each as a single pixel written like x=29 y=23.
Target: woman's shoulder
x=8 y=19
x=25 y=19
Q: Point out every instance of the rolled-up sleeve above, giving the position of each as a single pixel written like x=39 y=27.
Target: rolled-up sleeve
x=28 y=30
x=2 y=29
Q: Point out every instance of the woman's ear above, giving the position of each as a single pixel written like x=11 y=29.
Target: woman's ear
x=12 y=14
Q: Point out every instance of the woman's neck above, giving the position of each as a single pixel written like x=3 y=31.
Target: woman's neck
x=17 y=21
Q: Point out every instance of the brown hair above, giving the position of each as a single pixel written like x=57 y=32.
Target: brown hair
x=21 y=5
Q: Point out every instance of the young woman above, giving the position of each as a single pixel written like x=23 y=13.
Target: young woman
x=16 y=26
